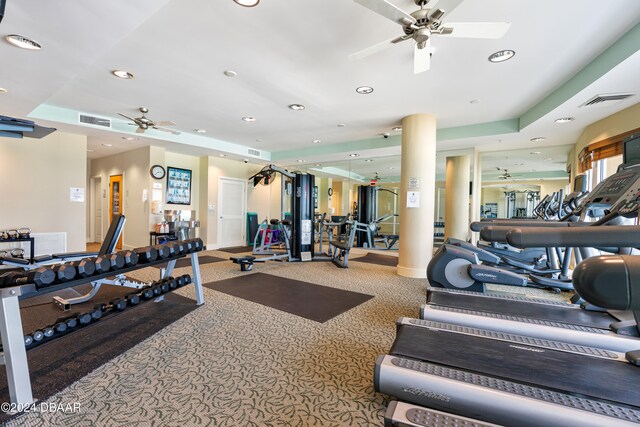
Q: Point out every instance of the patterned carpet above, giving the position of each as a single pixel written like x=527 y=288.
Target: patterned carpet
x=236 y=363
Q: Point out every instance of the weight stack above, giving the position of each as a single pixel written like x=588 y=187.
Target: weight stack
x=302 y=230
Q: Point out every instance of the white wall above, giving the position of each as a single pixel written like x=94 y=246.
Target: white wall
x=35 y=179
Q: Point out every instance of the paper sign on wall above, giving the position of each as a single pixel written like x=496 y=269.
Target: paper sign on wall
x=413 y=199
x=76 y=194
x=414 y=183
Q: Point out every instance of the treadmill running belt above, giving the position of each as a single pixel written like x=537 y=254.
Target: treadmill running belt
x=573 y=316
x=573 y=373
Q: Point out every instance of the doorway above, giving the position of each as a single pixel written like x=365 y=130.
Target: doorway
x=95 y=232
x=232 y=211
x=115 y=201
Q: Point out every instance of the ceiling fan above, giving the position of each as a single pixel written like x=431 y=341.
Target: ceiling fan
x=505 y=174
x=424 y=23
x=145 y=123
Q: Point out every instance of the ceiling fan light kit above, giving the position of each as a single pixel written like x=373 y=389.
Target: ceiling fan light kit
x=143 y=122
x=247 y=3
x=424 y=23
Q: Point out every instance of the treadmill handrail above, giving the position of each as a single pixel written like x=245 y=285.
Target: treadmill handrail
x=499 y=233
x=626 y=236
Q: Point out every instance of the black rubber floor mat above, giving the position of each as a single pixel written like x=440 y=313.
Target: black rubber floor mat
x=56 y=364
x=313 y=302
x=237 y=249
x=372 y=258
x=186 y=262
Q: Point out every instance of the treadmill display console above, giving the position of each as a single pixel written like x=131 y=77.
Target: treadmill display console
x=619 y=187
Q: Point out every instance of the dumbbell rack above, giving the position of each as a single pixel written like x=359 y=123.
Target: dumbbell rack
x=14 y=354
x=23 y=239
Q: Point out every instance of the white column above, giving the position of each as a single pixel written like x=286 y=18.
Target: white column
x=476 y=200
x=417 y=188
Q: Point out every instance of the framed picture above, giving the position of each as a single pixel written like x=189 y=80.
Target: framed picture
x=178 y=186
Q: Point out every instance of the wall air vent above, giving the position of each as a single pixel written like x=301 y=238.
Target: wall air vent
x=94 y=121
x=252 y=152
x=607 y=99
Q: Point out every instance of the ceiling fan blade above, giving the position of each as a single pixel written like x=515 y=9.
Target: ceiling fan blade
x=371 y=50
x=447 y=5
x=175 y=132
x=126 y=117
x=477 y=30
x=422 y=58
x=165 y=123
x=388 y=10
x=140 y=130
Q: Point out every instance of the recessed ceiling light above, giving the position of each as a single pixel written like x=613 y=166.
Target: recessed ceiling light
x=368 y=160
x=341 y=125
x=259 y=140
x=538 y=139
x=534 y=152
x=3 y=90
x=316 y=141
x=548 y=159
x=23 y=42
x=89 y=150
x=354 y=155
x=297 y=107
x=301 y=161
x=502 y=55
x=364 y=90
x=128 y=138
x=230 y=73
x=247 y=3
x=249 y=119
x=519 y=164
x=107 y=145
x=222 y=155
x=390 y=168
x=474 y=101
x=397 y=128
x=565 y=120
x=318 y=164
x=123 y=74
x=200 y=130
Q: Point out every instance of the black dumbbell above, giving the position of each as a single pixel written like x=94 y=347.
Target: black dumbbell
x=187 y=279
x=171 y=248
x=157 y=290
x=180 y=281
x=178 y=248
x=130 y=258
x=163 y=251
x=24 y=232
x=71 y=322
x=41 y=276
x=133 y=298
x=199 y=245
x=85 y=267
x=116 y=261
x=146 y=254
x=84 y=319
x=96 y=313
x=172 y=283
x=28 y=340
x=60 y=327
x=118 y=304
x=189 y=246
x=102 y=264
x=65 y=272
x=48 y=332
x=17 y=253
x=146 y=293
x=37 y=336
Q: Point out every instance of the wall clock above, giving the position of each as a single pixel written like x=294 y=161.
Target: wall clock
x=157 y=171
x=330 y=191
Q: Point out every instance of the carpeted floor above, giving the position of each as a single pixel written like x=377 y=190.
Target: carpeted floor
x=233 y=362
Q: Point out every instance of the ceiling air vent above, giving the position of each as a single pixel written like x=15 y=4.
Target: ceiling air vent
x=607 y=99
x=253 y=152
x=94 y=121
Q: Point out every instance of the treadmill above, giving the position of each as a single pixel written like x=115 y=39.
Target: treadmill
x=515 y=380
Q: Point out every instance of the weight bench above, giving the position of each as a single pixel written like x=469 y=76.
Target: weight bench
x=390 y=240
x=245 y=262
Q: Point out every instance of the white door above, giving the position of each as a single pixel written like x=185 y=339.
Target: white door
x=232 y=211
x=97 y=210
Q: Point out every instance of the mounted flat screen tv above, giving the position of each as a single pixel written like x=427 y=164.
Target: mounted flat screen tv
x=631 y=150
x=178 y=186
